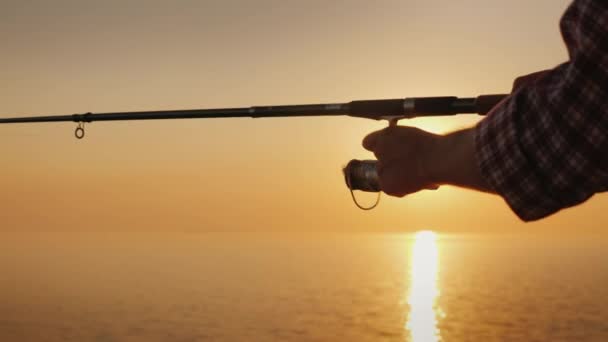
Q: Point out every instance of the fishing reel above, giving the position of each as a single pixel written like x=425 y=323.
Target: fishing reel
x=362 y=175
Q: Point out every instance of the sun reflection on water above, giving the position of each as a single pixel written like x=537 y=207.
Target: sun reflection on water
x=424 y=291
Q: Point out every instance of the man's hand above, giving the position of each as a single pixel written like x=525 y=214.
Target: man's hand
x=410 y=160
x=402 y=153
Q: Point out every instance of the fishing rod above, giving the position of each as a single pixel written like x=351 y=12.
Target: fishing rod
x=359 y=174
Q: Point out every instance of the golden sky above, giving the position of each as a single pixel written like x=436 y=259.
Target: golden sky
x=65 y=57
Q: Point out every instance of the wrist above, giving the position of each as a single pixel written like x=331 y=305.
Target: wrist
x=451 y=160
x=432 y=164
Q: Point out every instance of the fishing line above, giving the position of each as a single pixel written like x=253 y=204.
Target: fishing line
x=352 y=194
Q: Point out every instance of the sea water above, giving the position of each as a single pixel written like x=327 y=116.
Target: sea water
x=421 y=287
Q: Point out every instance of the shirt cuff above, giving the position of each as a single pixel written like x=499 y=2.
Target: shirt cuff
x=505 y=166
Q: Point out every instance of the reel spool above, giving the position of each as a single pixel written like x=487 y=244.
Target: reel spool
x=362 y=175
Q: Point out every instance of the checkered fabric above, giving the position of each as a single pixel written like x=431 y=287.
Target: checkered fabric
x=545 y=147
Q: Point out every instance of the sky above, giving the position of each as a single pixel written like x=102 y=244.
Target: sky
x=66 y=57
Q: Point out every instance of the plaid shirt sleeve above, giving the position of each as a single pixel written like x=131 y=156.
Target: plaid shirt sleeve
x=545 y=147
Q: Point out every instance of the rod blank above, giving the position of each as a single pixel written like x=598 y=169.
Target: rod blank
x=371 y=109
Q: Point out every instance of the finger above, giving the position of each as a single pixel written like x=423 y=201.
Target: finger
x=370 y=142
x=387 y=184
x=393 y=192
x=380 y=154
x=396 y=194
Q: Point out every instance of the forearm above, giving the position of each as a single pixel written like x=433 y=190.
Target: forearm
x=451 y=161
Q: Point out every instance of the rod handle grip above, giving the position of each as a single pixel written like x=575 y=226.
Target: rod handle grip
x=485 y=103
